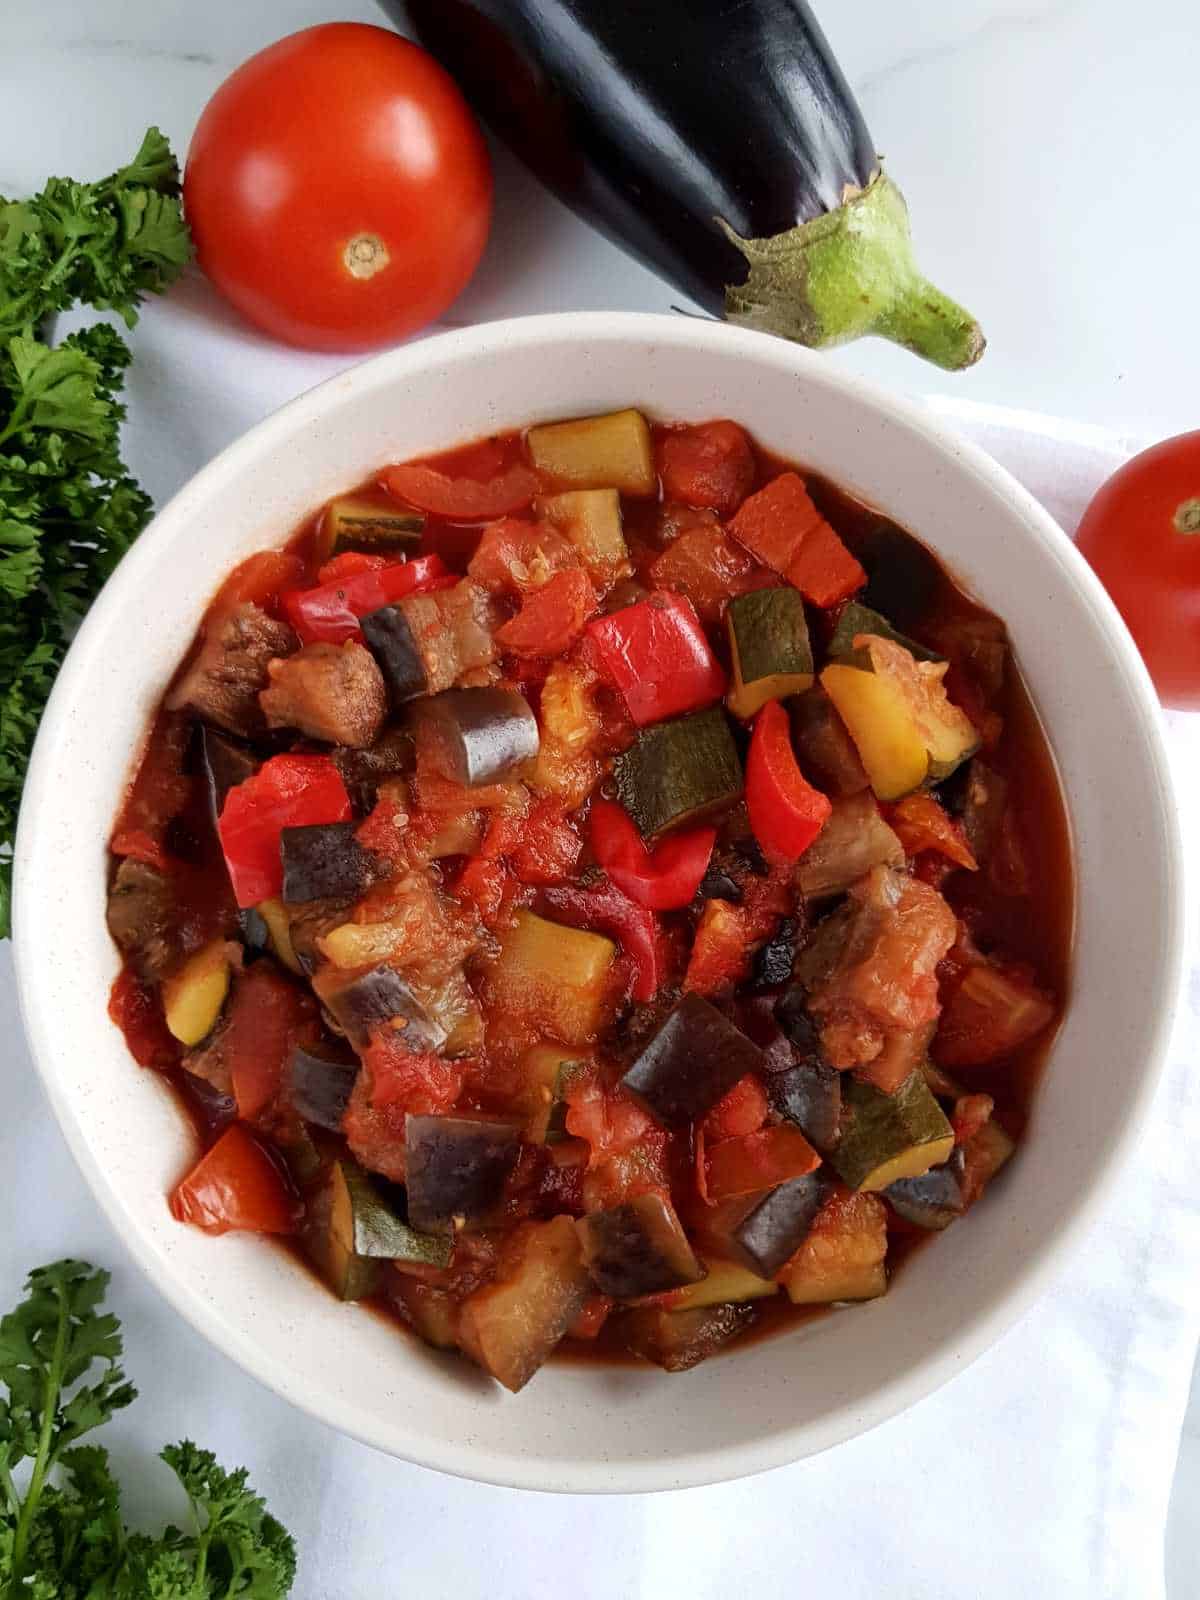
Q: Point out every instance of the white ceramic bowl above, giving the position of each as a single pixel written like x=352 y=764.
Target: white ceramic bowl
x=587 y=1428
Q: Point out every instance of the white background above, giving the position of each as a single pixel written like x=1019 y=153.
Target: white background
x=1047 y=151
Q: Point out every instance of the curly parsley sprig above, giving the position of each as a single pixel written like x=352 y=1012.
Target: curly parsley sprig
x=62 y=1536
x=69 y=507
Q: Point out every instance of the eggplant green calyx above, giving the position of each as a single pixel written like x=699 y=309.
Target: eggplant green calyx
x=848 y=274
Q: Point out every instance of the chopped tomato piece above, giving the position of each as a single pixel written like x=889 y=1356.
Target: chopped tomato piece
x=349 y=563
x=260 y=580
x=664 y=878
x=484 y=884
x=757 y=1161
x=418 y=1083
x=703 y=563
x=136 y=1008
x=710 y=464
x=719 y=955
x=548 y=847
x=989 y=1012
x=330 y=613
x=657 y=655
x=786 y=812
x=236 y=1185
x=741 y=1110
x=783 y=528
x=267 y=1018
x=552 y=617
x=463 y=499
x=591 y=1318
x=383 y=831
x=285 y=792
x=921 y=824
x=520 y=556
x=135 y=844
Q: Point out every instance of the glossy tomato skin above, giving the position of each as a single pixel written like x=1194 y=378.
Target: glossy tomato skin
x=1141 y=535
x=338 y=189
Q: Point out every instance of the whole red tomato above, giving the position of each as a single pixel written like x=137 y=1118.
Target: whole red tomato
x=1141 y=534
x=338 y=188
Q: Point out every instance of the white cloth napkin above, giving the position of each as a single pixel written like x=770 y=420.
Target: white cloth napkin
x=1044 y=1470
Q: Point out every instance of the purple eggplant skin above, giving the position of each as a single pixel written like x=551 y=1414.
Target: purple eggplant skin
x=320 y=1079
x=478 y=736
x=680 y=1340
x=225 y=762
x=810 y=1095
x=774 y=1225
x=695 y=1057
x=638 y=1248
x=652 y=121
x=457 y=1168
x=377 y=996
x=935 y=1199
x=390 y=640
x=324 y=861
x=772 y=964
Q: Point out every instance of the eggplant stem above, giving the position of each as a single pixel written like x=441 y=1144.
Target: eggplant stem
x=848 y=274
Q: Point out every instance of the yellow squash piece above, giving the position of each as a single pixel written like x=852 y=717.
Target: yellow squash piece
x=890 y=1136
x=843 y=1257
x=725 y=1284
x=591 y=520
x=279 y=928
x=904 y=727
x=193 y=996
x=769 y=649
x=609 y=452
x=553 y=976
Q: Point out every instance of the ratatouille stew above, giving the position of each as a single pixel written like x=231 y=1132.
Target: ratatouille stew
x=599 y=887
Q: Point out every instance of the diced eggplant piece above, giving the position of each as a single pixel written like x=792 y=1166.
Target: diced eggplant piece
x=855 y=619
x=679 y=1340
x=934 y=1199
x=142 y=917
x=555 y=977
x=368 y=1000
x=696 y=1056
x=352 y=522
x=791 y=1013
x=352 y=1228
x=192 y=997
x=230 y=668
x=724 y=1283
x=810 y=1095
x=478 y=736
x=331 y=692
x=844 y=1256
x=225 y=763
x=320 y=1080
x=855 y=838
x=762 y=1231
x=773 y=961
x=902 y=575
x=985 y=799
x=638 y=1248
x=364 y=771
x=717 y=884
x=390 y=640
x=678 y=772
x=512 y=1324
x=827 y=754
x=547 y=1071
x=324 y=861
x=457 y=1170
x=890 y=1136
x=254 y=932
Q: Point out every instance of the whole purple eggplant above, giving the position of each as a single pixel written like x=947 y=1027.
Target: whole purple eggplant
x=716 y=140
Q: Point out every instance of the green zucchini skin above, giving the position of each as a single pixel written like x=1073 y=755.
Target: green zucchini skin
x=856 y=619
x=678 y=772
x=771 y=634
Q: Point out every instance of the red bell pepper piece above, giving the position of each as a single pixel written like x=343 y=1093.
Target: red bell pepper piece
x=236 y=1185
x=781 y=526
x=710 y=464
x=664 y=878
x=463 y=499
x=285 y=792
x=329 y=613
x=635 y=928
x=657 y=655
x=552 y=617
x=786 y=812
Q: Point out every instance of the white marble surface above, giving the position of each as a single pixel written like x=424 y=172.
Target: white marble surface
x=1045 y=147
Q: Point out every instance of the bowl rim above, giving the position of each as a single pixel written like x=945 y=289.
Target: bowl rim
x=720 y=1463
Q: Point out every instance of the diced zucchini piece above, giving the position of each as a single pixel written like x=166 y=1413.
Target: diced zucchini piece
x=679 y=1340
x=678 y=772
x=430 y=1311
x=898 y=715
x=770 y=649
x=591 y=520
x=279 y=934
x=856 y=618
x=726 y=1283
x=843 y=1257
x=548 y=1069
x=638 y=1248
x=553 y=976
x=352 y=1228
x=609 y=452
x=855 y=838
x=512 y=1324
x=890 y=1136
x=352 y=522
x=193 y=996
